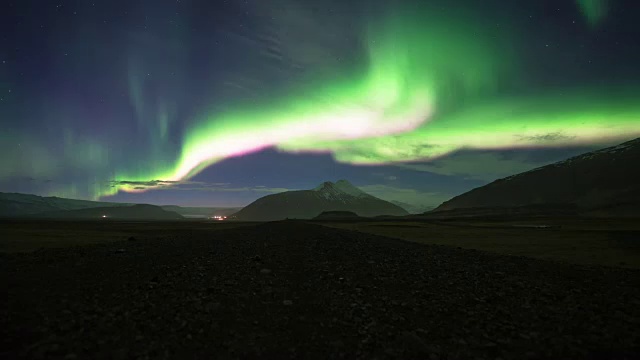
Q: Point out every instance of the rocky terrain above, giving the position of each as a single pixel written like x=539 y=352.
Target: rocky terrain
x=298 y=290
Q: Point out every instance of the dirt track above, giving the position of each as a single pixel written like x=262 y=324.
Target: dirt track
x=299 y=290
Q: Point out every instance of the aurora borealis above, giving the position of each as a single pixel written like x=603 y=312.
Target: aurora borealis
x=126 y=100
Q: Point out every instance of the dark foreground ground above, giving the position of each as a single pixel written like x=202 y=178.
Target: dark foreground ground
x=296 y=290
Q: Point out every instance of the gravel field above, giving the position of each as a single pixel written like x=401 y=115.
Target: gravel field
x=298 y=290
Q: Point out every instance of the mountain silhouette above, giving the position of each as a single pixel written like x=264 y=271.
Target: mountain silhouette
x=605 y=181
x=307 y=204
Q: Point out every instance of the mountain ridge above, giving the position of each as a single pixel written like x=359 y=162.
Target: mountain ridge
x=604 y=178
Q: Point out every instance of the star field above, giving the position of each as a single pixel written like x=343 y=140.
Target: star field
x=99 y=99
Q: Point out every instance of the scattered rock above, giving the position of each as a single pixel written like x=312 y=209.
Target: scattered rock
x=412 y=343
x=426 y=302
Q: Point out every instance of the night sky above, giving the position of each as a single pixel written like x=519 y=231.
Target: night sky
x=217 y=103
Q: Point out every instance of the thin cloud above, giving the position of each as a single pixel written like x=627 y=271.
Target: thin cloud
x=385 y=176
x=483 y=166
x=547 y=138
x=188 y=185
x=405 y=195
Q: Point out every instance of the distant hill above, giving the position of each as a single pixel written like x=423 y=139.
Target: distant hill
x=307 y=204
x=15 y=204
x=601 y=182
x=201 y=211
x=19 y=205
x=336 y=215
x=133 y=212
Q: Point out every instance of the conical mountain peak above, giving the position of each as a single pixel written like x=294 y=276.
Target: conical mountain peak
x=341 y=187
x=347 y=187
x=324 y=186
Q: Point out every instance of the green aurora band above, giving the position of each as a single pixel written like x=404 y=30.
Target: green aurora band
x=549 y=121
x=594 y=10
x=411 y=66
x=429 y=88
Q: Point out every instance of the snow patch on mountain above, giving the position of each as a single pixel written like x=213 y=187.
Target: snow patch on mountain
x=347 y=187
x=342 y=190
x=626 y=146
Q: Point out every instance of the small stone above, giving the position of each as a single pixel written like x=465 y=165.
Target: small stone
x=287 y=302
x=120 y=251
x=212 y=306
x=265 y=271
x=412 y=342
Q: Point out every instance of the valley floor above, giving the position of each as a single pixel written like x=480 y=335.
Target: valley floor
x=300 y=290
x=24 y=235
x=596 y=241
